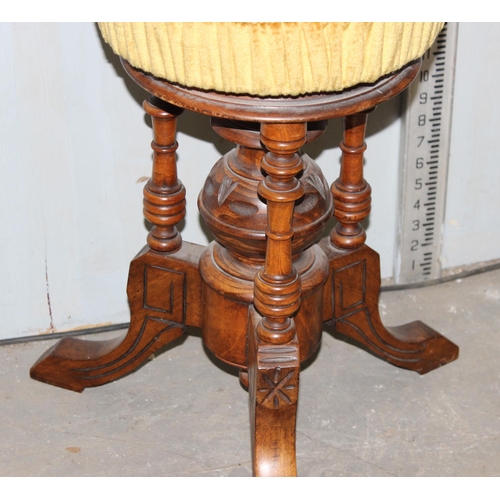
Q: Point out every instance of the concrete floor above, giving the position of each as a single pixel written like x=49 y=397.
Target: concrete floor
x=182 y=415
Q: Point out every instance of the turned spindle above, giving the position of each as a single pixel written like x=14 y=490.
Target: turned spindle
x=277 y=284
x=164 y=195
x=351 y=192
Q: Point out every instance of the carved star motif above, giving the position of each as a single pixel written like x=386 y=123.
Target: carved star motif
x=276 y=387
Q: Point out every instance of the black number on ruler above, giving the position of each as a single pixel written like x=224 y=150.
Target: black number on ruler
x=418 y=183
x=417 y=205
x=416 y=225
x=424 y=76
x=420 y=140
x=420 y=163
x=423 y=97
x=421 y=120
x=414 y=245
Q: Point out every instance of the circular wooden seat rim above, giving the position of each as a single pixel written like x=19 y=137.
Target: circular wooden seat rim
x=312 y=107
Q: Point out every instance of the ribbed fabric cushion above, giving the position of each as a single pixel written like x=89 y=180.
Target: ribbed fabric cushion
x=269 y=59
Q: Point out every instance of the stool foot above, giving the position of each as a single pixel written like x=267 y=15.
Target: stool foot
x=351 y=306
x=164 y=292
x=273 y=377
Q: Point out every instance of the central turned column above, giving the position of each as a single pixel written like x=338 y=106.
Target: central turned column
x=253 y=204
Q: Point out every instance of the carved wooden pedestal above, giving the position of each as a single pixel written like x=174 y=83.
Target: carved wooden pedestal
x=263 y=290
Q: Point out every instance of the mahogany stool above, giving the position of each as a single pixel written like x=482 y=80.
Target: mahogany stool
x=262 y=291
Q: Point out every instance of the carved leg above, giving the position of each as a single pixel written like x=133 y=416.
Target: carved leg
x=164 y=288
x=352 y=292
x=273 y=378
x=273 y=346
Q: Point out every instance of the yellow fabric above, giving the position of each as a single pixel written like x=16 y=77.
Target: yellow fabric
x=269 y=59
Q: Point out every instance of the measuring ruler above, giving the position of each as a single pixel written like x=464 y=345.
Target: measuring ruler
x=425 y=147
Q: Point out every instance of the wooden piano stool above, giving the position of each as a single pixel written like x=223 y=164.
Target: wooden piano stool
x=263 y=289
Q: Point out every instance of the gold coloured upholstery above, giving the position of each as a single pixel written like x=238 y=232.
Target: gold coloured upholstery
x=270 y=59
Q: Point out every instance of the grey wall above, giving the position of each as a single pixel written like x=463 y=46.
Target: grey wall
x=472 y=230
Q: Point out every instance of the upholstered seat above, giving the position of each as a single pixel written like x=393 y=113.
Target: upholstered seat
x=270 y=59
